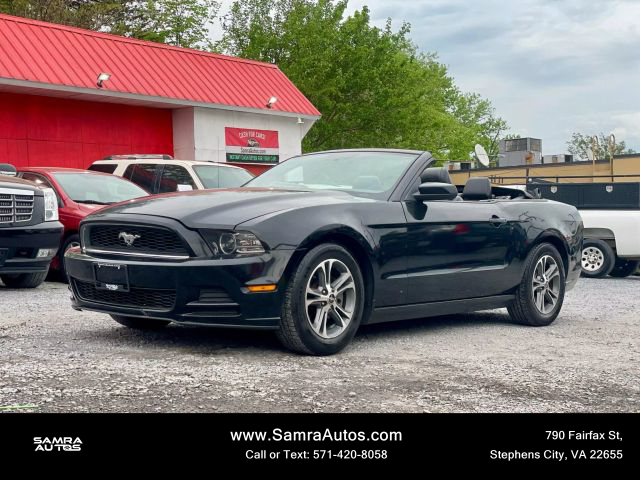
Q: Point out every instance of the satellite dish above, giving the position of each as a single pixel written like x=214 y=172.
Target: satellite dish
x=481 y=155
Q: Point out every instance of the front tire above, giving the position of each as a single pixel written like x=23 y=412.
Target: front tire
x=140 y=323
x=598 y=258
x=24 y=280
x=624 y=268
x=540 y=295
x=324 y=302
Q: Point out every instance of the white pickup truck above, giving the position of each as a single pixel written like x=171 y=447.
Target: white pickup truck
x=611 y=216
x=612 y=242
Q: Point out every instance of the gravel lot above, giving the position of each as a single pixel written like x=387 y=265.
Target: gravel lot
x=54 y=359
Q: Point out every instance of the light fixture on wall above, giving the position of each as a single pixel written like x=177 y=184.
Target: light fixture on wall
x=272 y=101
x=103 y=77
x=300 y=121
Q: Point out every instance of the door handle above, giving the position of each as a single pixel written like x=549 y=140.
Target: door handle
x=496 y=221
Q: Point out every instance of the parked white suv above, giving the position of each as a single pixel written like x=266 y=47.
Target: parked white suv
x=163 y=174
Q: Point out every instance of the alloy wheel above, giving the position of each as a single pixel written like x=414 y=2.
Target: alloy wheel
x=546 y=284
x=330 y=298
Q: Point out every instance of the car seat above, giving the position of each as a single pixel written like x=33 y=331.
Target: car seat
x=477 y=188
x=435 y=174
x=439 y=175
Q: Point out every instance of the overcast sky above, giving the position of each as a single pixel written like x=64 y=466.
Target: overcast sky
x=550 y=67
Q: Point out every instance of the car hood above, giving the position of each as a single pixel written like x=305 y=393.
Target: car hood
x=88 y=207
x=225 y=208
x=15 y=182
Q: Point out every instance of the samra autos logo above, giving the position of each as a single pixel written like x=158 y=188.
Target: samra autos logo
x=57 y=444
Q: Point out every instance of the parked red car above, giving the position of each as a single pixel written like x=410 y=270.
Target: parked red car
x=80 y=193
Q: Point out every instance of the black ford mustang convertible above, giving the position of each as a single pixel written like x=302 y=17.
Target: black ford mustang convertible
x=324 y=243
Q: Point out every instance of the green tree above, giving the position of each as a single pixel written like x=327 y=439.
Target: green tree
x=373 y=87
x=183 y=23
x=90 y=14
x=476 y=123
x=580 y=144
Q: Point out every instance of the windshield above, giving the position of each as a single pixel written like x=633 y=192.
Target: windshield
x=97 y=189
x=213 y=176
x=370 y=174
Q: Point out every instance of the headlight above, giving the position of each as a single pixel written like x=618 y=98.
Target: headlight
x=50 y=205
x=233 y=243
x=228 y=243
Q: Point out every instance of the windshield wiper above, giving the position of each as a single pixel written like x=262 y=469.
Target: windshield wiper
x=93 y=202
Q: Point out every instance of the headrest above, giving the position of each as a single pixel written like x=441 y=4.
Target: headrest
x=435 y=174
x=477 y=188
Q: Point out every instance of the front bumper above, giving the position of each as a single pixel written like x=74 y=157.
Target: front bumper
x=19 y=247
x=207 y=291
x=574 y=269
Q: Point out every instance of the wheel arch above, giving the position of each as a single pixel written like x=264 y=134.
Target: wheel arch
x=555 y=239
x=604 y=234
x=68 y=233
x=354 y=243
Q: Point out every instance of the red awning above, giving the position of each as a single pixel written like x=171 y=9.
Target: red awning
x=46 y=54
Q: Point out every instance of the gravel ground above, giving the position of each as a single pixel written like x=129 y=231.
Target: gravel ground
x=53 y=359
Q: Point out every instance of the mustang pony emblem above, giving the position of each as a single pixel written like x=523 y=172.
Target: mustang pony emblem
x=128 y=238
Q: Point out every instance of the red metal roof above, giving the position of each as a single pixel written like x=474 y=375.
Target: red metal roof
x=54 y=54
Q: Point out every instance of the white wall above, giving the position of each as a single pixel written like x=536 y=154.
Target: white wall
x=198 y=133
x=183 y=139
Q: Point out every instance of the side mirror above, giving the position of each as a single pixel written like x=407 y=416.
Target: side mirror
x=436 y=191
x=7 y=169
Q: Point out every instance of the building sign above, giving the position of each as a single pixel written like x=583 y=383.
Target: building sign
x=249 y=145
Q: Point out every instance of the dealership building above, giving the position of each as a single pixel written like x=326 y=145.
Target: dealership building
x=70 y=96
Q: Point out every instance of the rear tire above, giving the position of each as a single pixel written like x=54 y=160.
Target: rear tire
x=598 y=258
x=544 y=279
x=624 y=268
x=24 y=280
x=140 y=323
x=324 y=302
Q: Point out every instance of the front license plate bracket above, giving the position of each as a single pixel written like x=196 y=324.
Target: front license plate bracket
x=111 y=276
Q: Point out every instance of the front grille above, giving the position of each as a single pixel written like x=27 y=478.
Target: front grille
x=15 y=207
x=136 y=297
x=146 y=240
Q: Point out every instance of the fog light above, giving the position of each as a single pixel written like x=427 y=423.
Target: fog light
x=261 y=288
x=46 y=252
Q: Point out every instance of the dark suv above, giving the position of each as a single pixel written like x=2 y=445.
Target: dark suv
x=29 y=230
